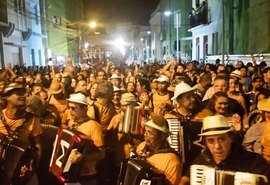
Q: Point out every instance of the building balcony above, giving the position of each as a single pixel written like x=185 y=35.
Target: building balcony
x=198 y=16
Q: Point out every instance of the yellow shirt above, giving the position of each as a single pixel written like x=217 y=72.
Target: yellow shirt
x=161 y=101
x=167 y=163
x=93 y=132
x=61 y=105
x=105 y=113
x=32 y=127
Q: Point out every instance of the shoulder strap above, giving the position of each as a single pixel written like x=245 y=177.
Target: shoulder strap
x=16 y=131
x=96 y=111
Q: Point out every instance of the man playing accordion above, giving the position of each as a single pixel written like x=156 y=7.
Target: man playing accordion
x=92 y=131
x=223 y=152
x=20 y=146
x=156 y=150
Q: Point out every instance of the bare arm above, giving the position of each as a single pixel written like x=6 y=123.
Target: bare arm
x=9 y=69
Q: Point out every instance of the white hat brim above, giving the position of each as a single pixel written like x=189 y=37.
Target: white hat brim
x=216 y=132
x=175 y=96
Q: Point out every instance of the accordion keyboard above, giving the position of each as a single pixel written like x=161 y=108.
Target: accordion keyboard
x=173 y=139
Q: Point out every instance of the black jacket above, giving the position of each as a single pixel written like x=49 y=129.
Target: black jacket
x=239 y=160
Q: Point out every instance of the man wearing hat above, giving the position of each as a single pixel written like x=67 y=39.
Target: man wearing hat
x=185 y=101
x=125 y=143
x=15 y=122
x=92 y=131
x=253 y=136
x=116 y=98
x=57 y=97
x=157 y=152
x=115 y=80
x=223 y=151
x=161 y=99
x=127 y=99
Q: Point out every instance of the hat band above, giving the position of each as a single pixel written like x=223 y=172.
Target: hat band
x=216 y=129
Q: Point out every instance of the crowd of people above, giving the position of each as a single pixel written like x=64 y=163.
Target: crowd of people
x=233 y=103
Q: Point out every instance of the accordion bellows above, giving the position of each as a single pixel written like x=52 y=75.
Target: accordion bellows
x=204 y=175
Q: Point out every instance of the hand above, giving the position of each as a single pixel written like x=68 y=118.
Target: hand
x=116 y=122
x=26 y=170
x=8 y=66
x=75 y=156
x=236 y=122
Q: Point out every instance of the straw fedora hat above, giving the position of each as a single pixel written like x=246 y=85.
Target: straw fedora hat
x=55 y=88
x=236 y=73
x=158 y=122
x=264 y=105
x=163 y=78
x=115 y=76
x=182 y=88
x=78 y=98
x=128 y=98
x=215 y=125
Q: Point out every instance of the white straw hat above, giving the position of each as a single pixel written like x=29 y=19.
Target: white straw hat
x=163 y=78
x=181 y=88
x=78 y=98
x=115 y=76
x=158 y=122
x=215 y=125
x=236 y=73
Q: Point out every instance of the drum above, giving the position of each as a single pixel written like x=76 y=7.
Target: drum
x=138 y=172
x=14 y=155
x=65 y=142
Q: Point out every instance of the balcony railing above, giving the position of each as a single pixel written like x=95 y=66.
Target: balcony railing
x=198 y=16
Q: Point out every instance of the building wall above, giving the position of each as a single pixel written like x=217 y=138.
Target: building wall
x=168 y=29
x=156 y=48
x=246 y=30
x=22 y=14
x=259 y=27
x=64 y=21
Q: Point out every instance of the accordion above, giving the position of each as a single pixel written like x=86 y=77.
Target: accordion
x=14 y=154
x=204 y=175
x=184 y=138
x=47 y=140
x=139 y=172
x=131 y=122
x=65 y=142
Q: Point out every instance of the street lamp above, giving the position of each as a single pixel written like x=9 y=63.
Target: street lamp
x=177 y=19
x=92 y=24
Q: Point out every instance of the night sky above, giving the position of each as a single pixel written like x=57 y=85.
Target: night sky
x=120 y=11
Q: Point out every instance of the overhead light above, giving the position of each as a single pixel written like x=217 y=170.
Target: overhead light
x=92 y=24
x=167 y=13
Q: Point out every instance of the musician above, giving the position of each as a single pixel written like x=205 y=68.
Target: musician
x=156 y=150
x=16 y=122
x=185 y=101
x=125 y=142
x=92 y=131
x=223 y=152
